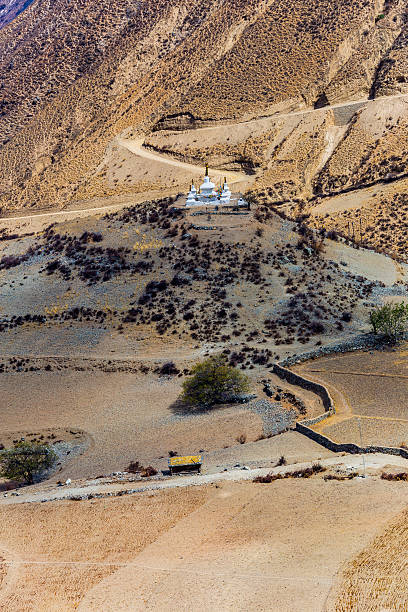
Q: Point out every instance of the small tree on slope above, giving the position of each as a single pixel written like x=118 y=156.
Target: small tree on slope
x=25 y=461
x=212 y=381
x=390 y=320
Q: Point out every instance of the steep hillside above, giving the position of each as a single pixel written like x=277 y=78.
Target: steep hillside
x=75 y=77
x=156 y=279
x=10 y=9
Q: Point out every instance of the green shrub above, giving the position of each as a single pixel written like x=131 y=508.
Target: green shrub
x=212 y=381
x=390 y=320
x=25 y=461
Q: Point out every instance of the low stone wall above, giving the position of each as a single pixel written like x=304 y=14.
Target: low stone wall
x=217 y=212
x=309 y=385
x=303 y=427
x=204 y=227
x=348 y=448
x=356 y=343
x=318 y=419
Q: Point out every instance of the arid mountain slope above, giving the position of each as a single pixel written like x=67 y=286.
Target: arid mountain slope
x=75 y=77
x=10 y=9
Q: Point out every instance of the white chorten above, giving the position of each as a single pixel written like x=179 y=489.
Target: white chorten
x=207 y=189
x=191 y=198
x=226 y=189
x=226 y=193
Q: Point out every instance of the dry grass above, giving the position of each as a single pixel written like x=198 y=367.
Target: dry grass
x=217 y=535
x=377 y=578
x=379 y=225
x=119 y=69
x=99 y=531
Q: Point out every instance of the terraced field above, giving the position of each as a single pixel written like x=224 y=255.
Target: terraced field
x=370 y=391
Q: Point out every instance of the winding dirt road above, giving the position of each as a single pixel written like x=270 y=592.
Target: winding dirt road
x=136 y=147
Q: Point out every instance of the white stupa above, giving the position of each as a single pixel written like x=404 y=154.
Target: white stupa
x=192 y=197
x=207 y=189
x=226 y=189
x=226 y=193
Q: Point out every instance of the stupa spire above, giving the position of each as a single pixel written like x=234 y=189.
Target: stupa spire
x=206 y=169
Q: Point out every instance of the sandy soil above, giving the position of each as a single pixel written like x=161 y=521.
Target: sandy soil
x=356 y=199
x=237 y=546
x=69 y=547
x=371 y=265
x=127 y=417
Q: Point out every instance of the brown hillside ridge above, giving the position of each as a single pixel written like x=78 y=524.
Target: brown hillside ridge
x=10 y=9
x=79 y=78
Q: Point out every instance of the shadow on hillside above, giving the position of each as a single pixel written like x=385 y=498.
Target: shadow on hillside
x=9 y=485
x=182 y=408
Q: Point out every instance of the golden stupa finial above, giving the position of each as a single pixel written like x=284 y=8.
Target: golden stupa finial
x=206 y=169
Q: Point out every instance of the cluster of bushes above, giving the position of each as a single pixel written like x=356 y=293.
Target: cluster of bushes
x=395 y=477
x=135 y=467
x=16 y=321
x=78 y=313
x=307 y=472
x=12 y=261
x=212 y=382
x=341 y=477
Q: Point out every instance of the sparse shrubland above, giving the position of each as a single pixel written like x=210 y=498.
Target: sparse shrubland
x=306 y=472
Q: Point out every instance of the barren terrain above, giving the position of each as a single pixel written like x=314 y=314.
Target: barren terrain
x=120 y=73
x=110 y=290
x=233 y=546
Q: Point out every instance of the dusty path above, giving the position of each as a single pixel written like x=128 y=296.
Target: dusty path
x=50 y=493
x=136 y=147
x=306 y=111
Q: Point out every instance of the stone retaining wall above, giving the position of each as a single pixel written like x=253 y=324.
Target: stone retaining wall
x=357 y=343
x=217 y=212
x=309 y=385
x=319 y=418
x=303 y=427
x=348 y=448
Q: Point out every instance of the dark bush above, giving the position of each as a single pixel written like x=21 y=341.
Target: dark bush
x=169 y=368
x=316 y=327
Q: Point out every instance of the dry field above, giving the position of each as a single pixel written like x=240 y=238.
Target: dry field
x=234 y=546
x=372 y=385
x=376 y=579
x=115 y=418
